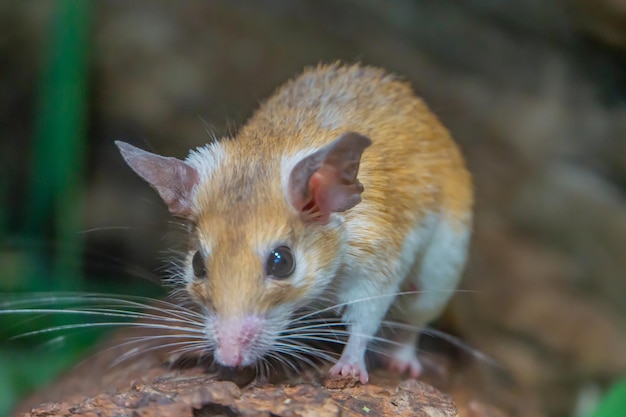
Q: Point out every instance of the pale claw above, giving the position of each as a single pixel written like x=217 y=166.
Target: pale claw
x=347 y=369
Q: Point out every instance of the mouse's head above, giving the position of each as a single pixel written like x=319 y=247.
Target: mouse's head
x=265 y=240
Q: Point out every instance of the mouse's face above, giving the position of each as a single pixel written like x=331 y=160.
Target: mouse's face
x=252 y=265
x=267 y=238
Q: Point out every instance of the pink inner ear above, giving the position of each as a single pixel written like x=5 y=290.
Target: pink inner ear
x=317 y=206
x=326 y=181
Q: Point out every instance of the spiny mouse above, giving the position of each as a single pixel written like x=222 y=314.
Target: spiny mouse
x=341 y=188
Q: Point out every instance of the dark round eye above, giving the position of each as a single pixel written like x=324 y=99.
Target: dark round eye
x=280 y=263
x=199 y=269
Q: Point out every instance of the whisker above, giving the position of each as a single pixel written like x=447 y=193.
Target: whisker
x=137 y=351
x=66 y=311
x=323 y=331
x=68 y=297
x=99 y=312
x=138 y=315
x=164 y=336
x=104 y=228
x=298 y=356
x=376 y=297
x=320 y=353
x=167 y=307
x=453 y=340
x=147 y=339
x=264 y=368
x=315 y=337
x=283 y=360
x=106 y=324
x=316 y=326
x=192 y=348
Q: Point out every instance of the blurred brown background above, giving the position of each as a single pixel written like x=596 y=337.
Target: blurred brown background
x=533 y=91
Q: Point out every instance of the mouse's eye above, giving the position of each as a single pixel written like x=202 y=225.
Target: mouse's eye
x=199 y=269
x=280 y=262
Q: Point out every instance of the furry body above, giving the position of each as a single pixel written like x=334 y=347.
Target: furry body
x=407 y=230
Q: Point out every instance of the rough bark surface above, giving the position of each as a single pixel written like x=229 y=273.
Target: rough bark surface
x=193 y=393
x=157 y=383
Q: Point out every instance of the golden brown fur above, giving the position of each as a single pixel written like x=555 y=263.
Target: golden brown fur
x=413 y=168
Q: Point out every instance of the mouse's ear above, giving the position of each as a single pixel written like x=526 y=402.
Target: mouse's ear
x=172 y=178
x=326 y=181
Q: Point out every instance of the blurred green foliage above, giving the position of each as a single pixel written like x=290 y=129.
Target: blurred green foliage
x=614 y=402
x=20 y=372
x=59 y=144
x=42 y=247
x=52 y=208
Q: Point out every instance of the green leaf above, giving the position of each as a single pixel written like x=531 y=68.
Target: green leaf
x=614 y=402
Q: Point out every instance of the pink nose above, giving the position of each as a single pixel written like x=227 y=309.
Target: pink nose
x=228 y=357
x=237 y=340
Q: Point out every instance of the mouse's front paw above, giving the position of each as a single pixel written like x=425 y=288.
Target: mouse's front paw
x=348 y=368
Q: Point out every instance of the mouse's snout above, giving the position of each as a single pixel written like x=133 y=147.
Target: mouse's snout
x=238 y=340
